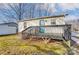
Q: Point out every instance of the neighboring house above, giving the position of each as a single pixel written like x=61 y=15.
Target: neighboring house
x=43 y=21
x=8 y=28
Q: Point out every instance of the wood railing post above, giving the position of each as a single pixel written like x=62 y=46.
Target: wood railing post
x=67 y=32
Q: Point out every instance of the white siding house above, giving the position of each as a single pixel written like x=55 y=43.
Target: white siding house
x=43 y=21
x=7 y=28
x=50 y=26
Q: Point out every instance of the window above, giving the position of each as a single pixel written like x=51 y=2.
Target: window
x=53 y=21
x=25 y=24
x=42 y=22
x=45 y=20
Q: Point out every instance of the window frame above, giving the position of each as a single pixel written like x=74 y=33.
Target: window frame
x=53 y=21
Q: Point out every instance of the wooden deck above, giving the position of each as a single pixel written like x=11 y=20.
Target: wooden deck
x=34 y=31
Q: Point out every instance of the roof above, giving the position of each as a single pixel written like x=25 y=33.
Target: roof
x=43 y=17
x=9 y=24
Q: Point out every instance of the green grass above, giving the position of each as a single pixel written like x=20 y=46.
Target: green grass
x=12 y=45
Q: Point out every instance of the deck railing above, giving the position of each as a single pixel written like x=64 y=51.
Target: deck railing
x=52 y=31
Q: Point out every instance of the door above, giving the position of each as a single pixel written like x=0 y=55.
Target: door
x=42 y=29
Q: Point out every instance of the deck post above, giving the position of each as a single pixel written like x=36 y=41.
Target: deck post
x=67 y=35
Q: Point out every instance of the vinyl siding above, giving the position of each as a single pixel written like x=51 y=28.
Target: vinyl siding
x=47 y=21
x=54 y=30
x=20 y=26
x=59 y=21
x=5 y=29
x=33 y=23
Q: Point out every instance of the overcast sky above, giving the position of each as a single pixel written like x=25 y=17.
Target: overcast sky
x=70 y=8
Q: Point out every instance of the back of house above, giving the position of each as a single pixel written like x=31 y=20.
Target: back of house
x=53 y=26
x=43 y=21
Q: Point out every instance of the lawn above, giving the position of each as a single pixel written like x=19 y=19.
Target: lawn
x=12 y=45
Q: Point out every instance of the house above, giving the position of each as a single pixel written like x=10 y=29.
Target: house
x=45 y=26
x=42 y=21
x=8 y=28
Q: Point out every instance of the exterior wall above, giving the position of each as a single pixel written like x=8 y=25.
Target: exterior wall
x=33 y=23
x=58 y=20
x=5 y=29
x=29 y=23
x=47 y=21
x=20 y=26
x=54 y=30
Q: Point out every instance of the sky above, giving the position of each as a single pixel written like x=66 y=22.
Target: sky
x=69 y=8
x=53 y=9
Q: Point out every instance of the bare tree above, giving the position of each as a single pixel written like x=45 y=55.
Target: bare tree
x=32 y=9
x=19 y=11
x=14 y=12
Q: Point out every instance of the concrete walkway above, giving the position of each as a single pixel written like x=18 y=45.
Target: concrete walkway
x=75 y=42
x=74 y=37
